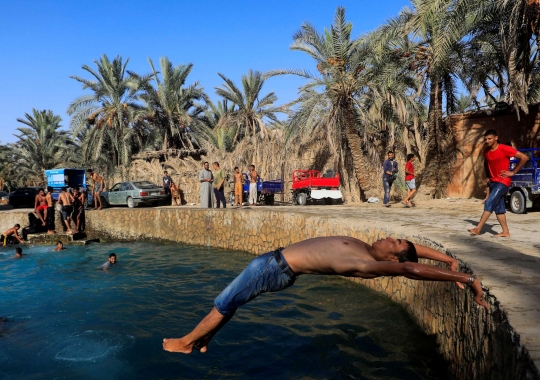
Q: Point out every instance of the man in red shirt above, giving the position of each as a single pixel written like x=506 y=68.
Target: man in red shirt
x=409 y=180
x=497 y=158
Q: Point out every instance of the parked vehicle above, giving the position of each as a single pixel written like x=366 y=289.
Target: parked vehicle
x=266 y=190
x=59 y=178
x=23 y=197
x=134 y=192
x=310 y=184
x=524 y=192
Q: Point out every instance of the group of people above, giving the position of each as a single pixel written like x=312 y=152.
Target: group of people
x=390 y=170
x=171 y=189
x=213 y=186
x=60 y=247
x=71 y=207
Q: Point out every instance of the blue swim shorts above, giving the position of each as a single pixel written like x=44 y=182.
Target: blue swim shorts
x=496 y=199
x=266 y=273
x=411 y=184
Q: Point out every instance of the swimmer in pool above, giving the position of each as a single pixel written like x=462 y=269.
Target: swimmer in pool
x=335 y=255
x=18 y=253
x=59 y=246
x=110 y=262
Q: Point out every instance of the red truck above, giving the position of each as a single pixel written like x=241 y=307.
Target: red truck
x=310 y=184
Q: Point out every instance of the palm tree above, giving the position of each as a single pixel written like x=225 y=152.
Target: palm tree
x=214 y=116
x=172 y=106
x=6 y=166
x=112 y=107
x=251 y=112
x=41 y=145
x=343 y=100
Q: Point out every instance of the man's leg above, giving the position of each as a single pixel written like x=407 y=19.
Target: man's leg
x=222 y=195
x=386 y=198
x=40 y=216
x=483 y=220
x=495 y=202
x=97 y=201
x=200 y=336
x=502 y=220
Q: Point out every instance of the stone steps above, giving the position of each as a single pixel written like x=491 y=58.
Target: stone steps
x=79 y=238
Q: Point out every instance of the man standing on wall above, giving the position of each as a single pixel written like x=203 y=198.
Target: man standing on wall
x=389 y=176
x=207 y=194
x=50 y=210
x=409 y=181
x=99 y=186
x=219 y=185
x=167 y=183
x=65 y=199
x=497 y=158
x=252 y=186
x=238 y=187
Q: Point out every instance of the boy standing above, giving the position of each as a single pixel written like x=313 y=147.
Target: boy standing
x=390 y=169
x=238 y=186
x=99 y=186
x=50 y=210
x=219 y=182
x=252 y=186
x=409 y=180
x=497 y=157
x=167 y=183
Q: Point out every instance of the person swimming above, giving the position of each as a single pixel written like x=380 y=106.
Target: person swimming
x=18 y=253
x=110 y=262
x=59 y=246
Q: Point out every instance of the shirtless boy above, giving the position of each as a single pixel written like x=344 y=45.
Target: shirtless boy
x=18 y=253
x=99 y=186
x=78 y=208
x=238 y=186
x=175 y=193
x=40 y=206
x=12 y=233
x=50 y=211
x=336 y=255
x=66 y=200
x=59 y=246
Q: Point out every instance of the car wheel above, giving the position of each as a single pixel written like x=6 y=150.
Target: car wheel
x=328 y=201
x=301 y=199
x=130 y=202
x=517 y=202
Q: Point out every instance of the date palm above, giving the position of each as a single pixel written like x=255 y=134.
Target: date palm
x=340 y=99
x=41 y=145
x=172 y=106
x=111 y=108
x=251 y=110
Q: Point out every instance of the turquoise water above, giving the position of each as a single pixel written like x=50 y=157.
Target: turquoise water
x=67 y=320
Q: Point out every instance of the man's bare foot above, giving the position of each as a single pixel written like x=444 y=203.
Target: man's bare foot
x=43 y=224
x=95 y=208
x=50 y=232
x=474 y=231
x=503 y=234
x=100 y=207
x=69 y=232
x=179 y=345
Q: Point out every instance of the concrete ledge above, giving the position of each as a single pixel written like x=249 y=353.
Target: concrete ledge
x=478 y=344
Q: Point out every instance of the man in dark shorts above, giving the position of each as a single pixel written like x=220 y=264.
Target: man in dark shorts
x=335 y=255
x=497 y=160
x=167 y=180
x=66 y=199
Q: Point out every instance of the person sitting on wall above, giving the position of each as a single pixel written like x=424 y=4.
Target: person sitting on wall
x=34 y=226
x=11 y=235
x=335 y=255
x=40 y=207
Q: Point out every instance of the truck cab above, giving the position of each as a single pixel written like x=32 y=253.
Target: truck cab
x=524 y=192
x=59 y=178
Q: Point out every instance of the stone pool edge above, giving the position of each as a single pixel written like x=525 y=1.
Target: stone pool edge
x=477 y=344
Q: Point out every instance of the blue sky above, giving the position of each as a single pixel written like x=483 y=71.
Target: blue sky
x=44 y=42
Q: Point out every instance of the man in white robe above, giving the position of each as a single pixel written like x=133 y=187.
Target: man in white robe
x=207 y=193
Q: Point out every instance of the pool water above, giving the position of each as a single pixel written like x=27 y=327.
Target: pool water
x=68 y=320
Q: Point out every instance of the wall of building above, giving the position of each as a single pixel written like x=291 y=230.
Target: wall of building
x=477 y=344
x=468 y=177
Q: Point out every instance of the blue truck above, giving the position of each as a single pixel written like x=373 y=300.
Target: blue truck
x=266 y=190
x=524 y=192
x=59 y=178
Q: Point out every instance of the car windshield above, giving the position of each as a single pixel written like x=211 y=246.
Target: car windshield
x=145 y=185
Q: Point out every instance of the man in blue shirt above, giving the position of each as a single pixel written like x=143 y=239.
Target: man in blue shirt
x=390 y=169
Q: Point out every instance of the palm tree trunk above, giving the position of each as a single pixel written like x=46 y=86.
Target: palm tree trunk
x=360 y=162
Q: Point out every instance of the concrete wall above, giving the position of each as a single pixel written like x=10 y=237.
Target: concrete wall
x=468 y=178
x=477 y=344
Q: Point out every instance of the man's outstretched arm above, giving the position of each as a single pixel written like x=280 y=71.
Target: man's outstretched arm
x=423 y=273
x=424 y=252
